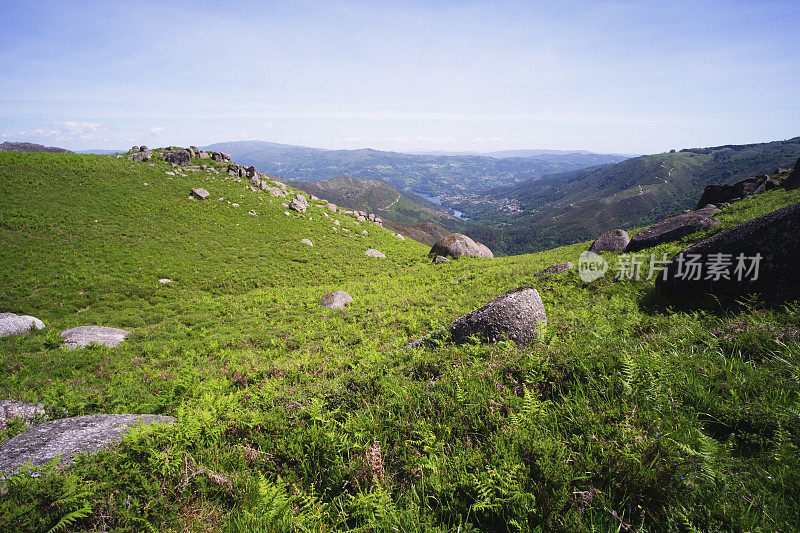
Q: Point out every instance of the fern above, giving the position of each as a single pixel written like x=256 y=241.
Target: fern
x=73 y=500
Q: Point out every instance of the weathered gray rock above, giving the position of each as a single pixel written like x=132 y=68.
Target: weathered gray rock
x=441 y=259
x=143 y=148
x=457 y=245
x=774 y=237
x=200 y=193
x=514 y=315
x=134 y=149
x=69 y=437
x=372 y=252
x=276 y=192
x=555 y=269
x=12 y=324
x=614 y=240
x=179 y=157
x=336 y=300
x=674 y=228
x=793 y=181
x=203 y=155
x=307 y=241
x=299 y=203
x=83 y=335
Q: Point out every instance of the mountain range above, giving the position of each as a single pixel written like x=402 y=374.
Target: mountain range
x=437 y=175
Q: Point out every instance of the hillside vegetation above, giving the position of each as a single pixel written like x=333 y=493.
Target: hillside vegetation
x=628 y=413
x=575 y=206
x=403 y=212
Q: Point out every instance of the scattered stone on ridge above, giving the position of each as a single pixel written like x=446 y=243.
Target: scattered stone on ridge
x=456 y=245
x=307 y=241
x=178 y=157
x=134 y=149
x=299 y=203
x=372 y=252
x=674 y=228
x=555 y=269
x=83 y=335
x=336 y=300
x=331 y=207
x=12 y=324
x=441 y=259
x=614 y=240
x=718 y=193
x=142 y=156
x=771 y=242
x=200 y=193
x=68 y=437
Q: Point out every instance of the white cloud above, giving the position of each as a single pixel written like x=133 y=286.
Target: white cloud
x=155 y=131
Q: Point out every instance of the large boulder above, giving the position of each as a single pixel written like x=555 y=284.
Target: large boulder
x=674 y=228
x=457 y=245
x=68 y=437
x=514 y=315
x=614 y=240
x=11 y=324
x=179 y=157
x=336 y=300
x=770 y=242
x=555 y=269
x=84 y=335
x=793 y=181
x=299 y=203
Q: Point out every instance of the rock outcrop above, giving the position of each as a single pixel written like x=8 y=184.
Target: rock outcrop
x=674 y=228
x=336 y=300
x=793 y=181
x=720 y=193
x=514 y=315
x=12 y=324
x=555 y=269
x=457 y=245
x=84 y=335
x=614 y=240
x=179 y=157
x=761 y=257
x=25 y=411
x=68 y=437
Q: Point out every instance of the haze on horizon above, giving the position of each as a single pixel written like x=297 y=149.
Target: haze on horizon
x=612 y=77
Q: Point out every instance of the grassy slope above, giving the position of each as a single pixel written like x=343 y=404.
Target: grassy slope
x=627 y=410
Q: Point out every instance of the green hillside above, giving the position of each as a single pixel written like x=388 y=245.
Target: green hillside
x=575 y=206
x=402 y=212
x=627 y=414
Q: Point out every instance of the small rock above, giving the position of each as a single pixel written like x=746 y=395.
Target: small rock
x=372 y=252
x=252 y=212
x=307 y=241
x=514 y=315
x=299 y=204
x=178 y=157
x=336 y=300
x=201 y=193
x=83 y=335
x=555 y=269
x=165 y=280
x=441 y=259
x=12 y=324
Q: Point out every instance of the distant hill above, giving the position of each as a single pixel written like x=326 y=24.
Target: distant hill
x=446 y=176
x=99 y=151
x=575 y=206
x=9 y=146
x=404 y=213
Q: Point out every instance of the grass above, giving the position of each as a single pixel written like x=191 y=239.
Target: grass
x=629 y=413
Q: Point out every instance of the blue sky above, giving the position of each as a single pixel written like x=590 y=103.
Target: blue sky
x=625 y=77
